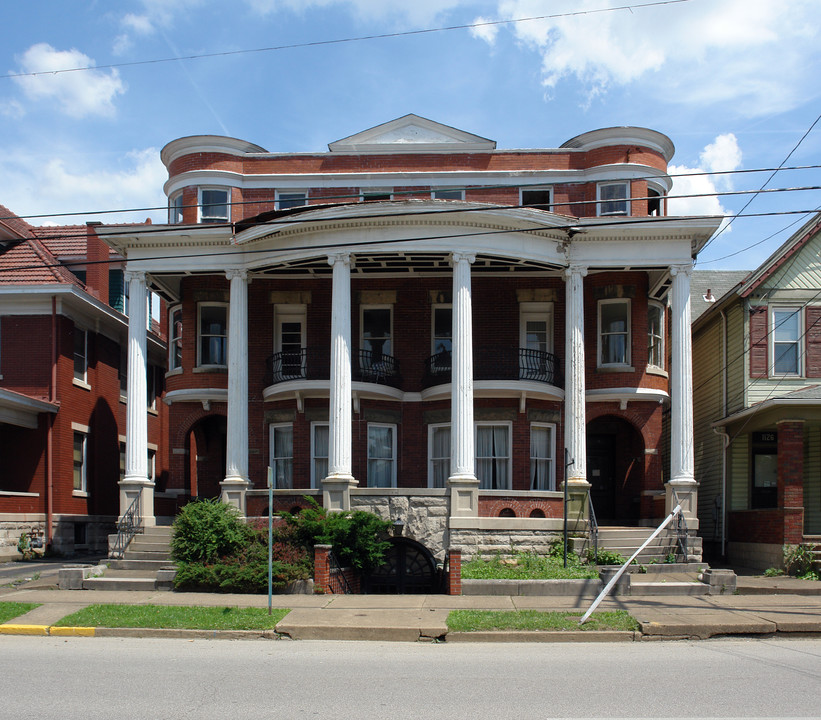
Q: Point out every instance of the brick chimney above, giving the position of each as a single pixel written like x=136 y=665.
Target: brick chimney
x=97 y=253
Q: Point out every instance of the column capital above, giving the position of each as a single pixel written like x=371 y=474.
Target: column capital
x=571 y=270
x=236 y=273
x=458 y=257
x=684 y=269
x=339 y=257
x=130 y=275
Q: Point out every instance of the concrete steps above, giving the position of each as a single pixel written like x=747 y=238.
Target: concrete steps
x=626 y=540
x=142 y=565
x=814 y=541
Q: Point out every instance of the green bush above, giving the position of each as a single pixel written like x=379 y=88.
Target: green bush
x=206 y=530
x=798 y=561
x=605 y=557
x=359 y=539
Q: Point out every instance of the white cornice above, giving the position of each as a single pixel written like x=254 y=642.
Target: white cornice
x=207 y=143
x=22 y=410
x=627 y=135
x=623 y=395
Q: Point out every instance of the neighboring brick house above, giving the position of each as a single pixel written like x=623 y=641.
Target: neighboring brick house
x=62 y=383
x=757 y=380
x=418 y=323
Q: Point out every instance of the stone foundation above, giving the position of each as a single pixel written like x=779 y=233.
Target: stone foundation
x=95 y=530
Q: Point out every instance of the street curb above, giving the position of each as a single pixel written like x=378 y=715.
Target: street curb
x=519 y=636
x=185 y=634
x=16 y=629
x=72 y=631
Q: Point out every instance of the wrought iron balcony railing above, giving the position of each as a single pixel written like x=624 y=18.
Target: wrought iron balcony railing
x=313 y=364
x=376 y=367
x=498 y=363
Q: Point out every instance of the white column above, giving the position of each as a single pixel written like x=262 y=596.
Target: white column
x=336 y=487
x=575 y=427
x=136 y=483
x=462 y=481
x=236 y=481
x=682 y=464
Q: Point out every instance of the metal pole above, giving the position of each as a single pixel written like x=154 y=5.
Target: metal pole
x=567 y=464
x=270 y=536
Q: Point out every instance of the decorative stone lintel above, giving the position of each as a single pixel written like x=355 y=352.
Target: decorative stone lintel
x=464 y=495
x=336 y=492
x=234 y=490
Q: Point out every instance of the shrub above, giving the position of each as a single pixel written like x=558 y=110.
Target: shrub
x=605 y=557
x=798 y=561
x=358 y=538
x=206 y=530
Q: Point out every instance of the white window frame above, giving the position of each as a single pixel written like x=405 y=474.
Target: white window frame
x=538 y=311
x=208 y=219
x=200 y=335
x=628 y=340
x=83 y=467
x=315 y=481
x=81 y=378
x=175 y=209
x=290 y=197
x=433 y=336
x=431 y=459
x=551 y=477
x=290 y=313
x=447 y=191
x=662 y=195
x=174 y=338
x=393 y=458
x=491 y=423
x=660 y=337
x=273 y=457
x=538 y=188
x=602 y=203
x=362 y=310
x=798 y=342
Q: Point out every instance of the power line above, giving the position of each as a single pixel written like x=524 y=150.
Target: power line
x=357 y=195
x=338 y=41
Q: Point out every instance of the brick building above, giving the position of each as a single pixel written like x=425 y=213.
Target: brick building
x=418 y=323
x=63 y=340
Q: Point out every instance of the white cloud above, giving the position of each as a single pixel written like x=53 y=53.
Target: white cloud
x=721 y=155
x=752 y=54
x=487 y=33
x=12 y=109
x=78 y=94
x=69 y=183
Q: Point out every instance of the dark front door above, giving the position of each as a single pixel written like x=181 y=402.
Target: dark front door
x=409 y=568
x=601 y=468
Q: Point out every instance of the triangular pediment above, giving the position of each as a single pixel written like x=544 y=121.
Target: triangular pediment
x=412 y=133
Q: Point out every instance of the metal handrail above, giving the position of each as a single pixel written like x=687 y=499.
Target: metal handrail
x=498 y=363
x=337 y=582
x=594 y=529
x=377 y=367
x=127 y=527
x=682 y=531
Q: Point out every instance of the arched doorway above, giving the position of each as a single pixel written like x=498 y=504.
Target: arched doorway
x=615 y=470
x=206 y=456
x=409 y=568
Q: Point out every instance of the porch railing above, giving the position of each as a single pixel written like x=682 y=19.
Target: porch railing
x=302 y=364
x=682 y=531
x=127 y=527
x=498 y=363
x=337 y=581
x=377 y=368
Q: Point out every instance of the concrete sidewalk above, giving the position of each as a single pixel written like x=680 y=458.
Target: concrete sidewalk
x=423 y=617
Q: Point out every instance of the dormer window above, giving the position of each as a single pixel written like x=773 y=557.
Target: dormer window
x=443 y=194
x=614 y=198
x=291 y=199
x=214 y=204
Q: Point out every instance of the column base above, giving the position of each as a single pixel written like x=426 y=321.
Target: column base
x=336 y=492
x=233 y=493
x=578 y=508
x=464 y=495
x=685 y=492
x=138 y=487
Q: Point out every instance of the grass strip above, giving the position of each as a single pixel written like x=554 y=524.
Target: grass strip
x=11 y=610
x=527 y=566
x=174 y=617
x=482 y=620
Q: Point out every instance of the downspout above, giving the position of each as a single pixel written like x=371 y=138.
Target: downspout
x=723 y=433
x=52 y=396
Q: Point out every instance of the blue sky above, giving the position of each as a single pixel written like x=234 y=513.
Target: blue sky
x=734 y=83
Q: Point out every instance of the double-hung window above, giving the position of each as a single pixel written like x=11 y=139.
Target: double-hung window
x=614 y=198
x=655 y=335
x=282 y=455
x=80 y=355
x=376 y=331
x=493 y=456
x=214 y=205
x=441 y=339
x=536 y=342
x=320 y=437
x=438 y=455
x=213 y=334
x=291 y=199
x=290 y=322
x=175 y=338
x=614 y=332
x=786 y=341
x=381 y=455
x=175 y=209
x=542 y=453
x=80 y=462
